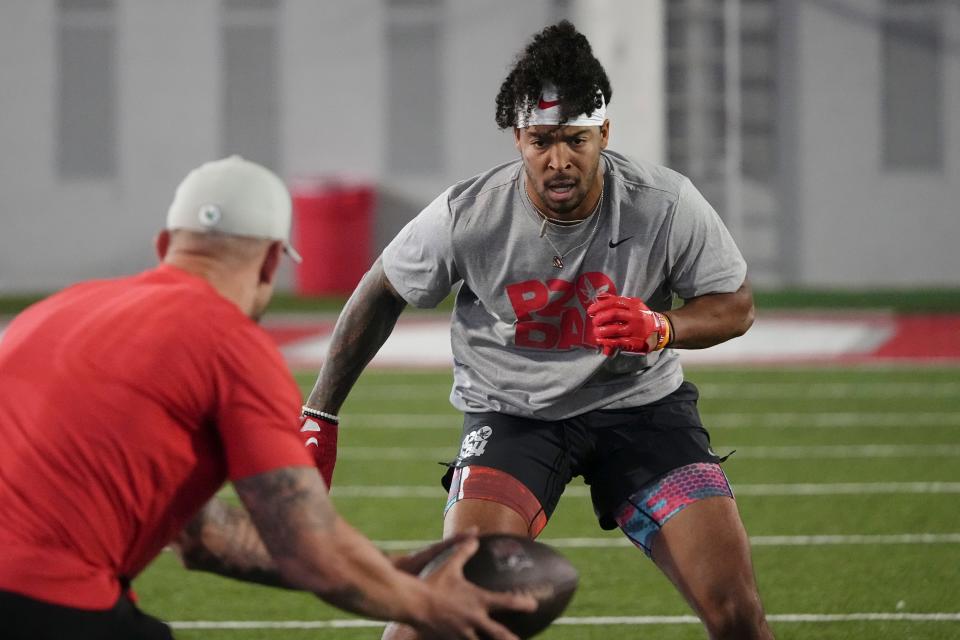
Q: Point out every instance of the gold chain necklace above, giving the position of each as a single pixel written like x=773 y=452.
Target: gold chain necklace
x=558 y=255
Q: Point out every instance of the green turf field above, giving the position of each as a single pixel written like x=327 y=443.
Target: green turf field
x=901 y=300
x=847 y=478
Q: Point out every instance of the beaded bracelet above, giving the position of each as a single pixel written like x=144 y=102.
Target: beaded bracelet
x=316 y=413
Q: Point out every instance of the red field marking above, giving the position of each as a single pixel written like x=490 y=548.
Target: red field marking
x=287 y=330
x=924 y=337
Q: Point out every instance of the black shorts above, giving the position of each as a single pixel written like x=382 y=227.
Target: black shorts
x=617 y=451
x=24 y=618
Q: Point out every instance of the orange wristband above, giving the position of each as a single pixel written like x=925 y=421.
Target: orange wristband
x=664 y=330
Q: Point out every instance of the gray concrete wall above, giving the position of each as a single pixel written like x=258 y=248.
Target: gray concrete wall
x=333 y=115
x=56 y=231
x=627 y=37
x=858 y=223
x=333 y=118
x=848 y=221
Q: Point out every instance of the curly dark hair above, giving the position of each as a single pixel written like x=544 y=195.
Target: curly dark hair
x=558 y=55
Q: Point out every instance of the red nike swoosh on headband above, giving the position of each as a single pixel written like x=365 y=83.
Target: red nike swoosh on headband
x=544 y=104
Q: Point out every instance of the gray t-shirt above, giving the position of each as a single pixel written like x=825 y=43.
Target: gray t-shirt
x=522 y=343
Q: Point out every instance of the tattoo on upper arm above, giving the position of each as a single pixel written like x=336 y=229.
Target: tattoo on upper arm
x=363 y=326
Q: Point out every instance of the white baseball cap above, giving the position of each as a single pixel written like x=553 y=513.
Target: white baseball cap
x=237 y=197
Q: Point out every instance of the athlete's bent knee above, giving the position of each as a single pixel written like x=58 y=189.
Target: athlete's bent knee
x=733 y=614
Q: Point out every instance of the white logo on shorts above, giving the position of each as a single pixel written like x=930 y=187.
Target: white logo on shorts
x=475 y=442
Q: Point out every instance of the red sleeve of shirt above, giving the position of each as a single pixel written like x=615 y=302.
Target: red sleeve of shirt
x=258 y=406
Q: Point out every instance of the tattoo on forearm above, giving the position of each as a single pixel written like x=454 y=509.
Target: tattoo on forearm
x=286 y=503
x=364 y=325
x=223 y=540
x=281 y=506
x=350 y=598
x=289 y=524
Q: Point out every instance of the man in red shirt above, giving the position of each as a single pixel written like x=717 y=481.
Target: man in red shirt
x=126 y=403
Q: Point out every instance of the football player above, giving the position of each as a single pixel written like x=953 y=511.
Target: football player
x=565 y=337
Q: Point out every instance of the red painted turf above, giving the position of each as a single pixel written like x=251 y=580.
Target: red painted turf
x=924 y=337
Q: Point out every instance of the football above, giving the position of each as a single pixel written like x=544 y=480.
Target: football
x=516 y=563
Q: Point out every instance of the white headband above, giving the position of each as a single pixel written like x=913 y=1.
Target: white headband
x=547 y=111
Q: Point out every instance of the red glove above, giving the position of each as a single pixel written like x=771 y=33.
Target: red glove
x=628 y=324
x=320 y=437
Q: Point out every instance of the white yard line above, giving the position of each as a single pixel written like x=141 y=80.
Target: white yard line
x=784 y=617
x=715 y=419
x=858 y=389
x=436 y=492
x=275 y=624
x=845 y=488
x=581 y=621
x=871 y=539
x=753 y=389
x=794 y=489
x=615 y=540
x=351 y=420
x=836 y=420
x=849 y=451
x=798 y=452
